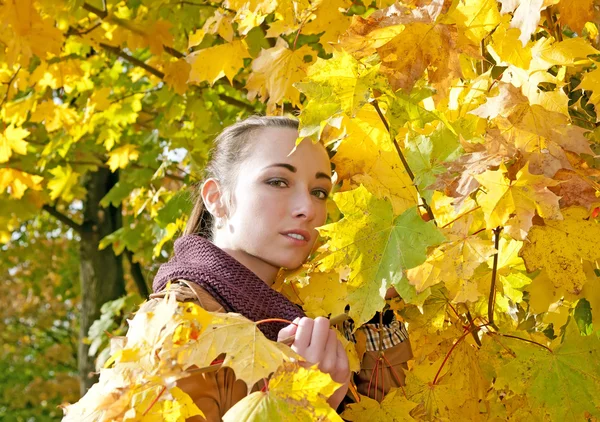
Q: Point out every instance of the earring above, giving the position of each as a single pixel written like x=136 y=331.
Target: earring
x=219 y=222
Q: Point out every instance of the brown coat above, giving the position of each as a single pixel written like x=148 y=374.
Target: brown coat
x=216 y=392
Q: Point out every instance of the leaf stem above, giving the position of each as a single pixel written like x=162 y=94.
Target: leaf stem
x=404 y=162
x=461 y=338
x=461 y=216
x=524 y=339
x=285 y=321
x=492 y=298
x=154 y=401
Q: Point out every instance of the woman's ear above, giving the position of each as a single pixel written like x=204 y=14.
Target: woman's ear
x=213 y=197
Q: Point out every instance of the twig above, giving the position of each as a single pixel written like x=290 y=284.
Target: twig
x=474 y=332
x=492 y=298
x=9 y=83
x=404 y=162
x=50 y=209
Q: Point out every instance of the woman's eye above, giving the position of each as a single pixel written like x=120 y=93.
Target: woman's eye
x=278 y=183
x=320 y=194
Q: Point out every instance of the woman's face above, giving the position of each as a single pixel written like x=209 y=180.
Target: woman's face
x=278 y=200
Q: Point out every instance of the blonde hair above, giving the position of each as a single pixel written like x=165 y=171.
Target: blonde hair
x=231 y=147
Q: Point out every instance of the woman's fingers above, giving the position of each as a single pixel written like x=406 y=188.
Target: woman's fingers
x=303 y=335
x=318 y=340
x=288 y=331
x=329 y=361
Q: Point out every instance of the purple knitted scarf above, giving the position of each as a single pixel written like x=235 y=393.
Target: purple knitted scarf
x=230 y=283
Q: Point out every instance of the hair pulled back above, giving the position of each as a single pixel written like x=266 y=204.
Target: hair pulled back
x=230 y=148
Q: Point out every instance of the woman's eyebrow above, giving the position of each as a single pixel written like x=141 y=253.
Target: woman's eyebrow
x=319 y=175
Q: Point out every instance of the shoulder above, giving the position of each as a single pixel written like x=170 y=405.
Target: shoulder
x=186 y=291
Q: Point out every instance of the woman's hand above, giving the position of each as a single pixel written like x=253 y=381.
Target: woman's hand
x=317 y=343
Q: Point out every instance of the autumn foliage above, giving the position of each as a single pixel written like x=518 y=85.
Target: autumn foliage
x=464 y=138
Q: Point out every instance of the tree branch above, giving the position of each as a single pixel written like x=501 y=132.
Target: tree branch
x=235 y=102
x=50 y=209
x=137 y=275
x=137 y=62
x=404 y=162
x=492 y=298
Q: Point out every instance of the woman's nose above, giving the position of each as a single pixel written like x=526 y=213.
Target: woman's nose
x=304 y=206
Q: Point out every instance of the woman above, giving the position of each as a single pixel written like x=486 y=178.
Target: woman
x=260 y=205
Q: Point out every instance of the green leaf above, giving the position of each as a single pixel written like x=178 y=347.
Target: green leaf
x=565 y=382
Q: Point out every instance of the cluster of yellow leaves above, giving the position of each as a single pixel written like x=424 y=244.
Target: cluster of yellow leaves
x=167 y=338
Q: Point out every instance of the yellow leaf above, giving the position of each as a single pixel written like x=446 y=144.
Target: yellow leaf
x=323 y=295
x=476 y=18
x=12 y=140
x=293 y=394
x=394 y=407
x=54 y=116
x=18 y=181
x=421 y=47
x=454 y=262
x=505 y=43
x=560 y=246
x=63 y=183
x=571 y=51
x=247 y=351
x=367 y=156
x=250 y=13
x=591 y=81
x=120 y=157
x=211 y=64
x=329 y=20
x=219 y=23
x=275 y=71
x=177 y=74
x=575 y=13
x=513 y=203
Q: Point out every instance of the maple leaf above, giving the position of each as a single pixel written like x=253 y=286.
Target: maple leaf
x=64 y=183
x=426 y=154
x=206 y=64
x=591 y=81
x=522 y=198
x=330 y=21
x=341 y=84
x=506 y=46
x=574 y=189
x=476 y=18
x=177 y=74
x=250 y=13
x=275 y=71
x=560 y=246
x=323 y=295
x=18 y=182
x=12 y=141
x=294 y=393
x=367 y=156
x=575 y=13
x=418 y=48
x=394 y=407
x=120 y=157
x=453 y=263
x=563 y=381
x=365 y=35
x=247 y=351
x=375 y=246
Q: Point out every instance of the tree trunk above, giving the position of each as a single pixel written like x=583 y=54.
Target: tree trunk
x=101 y=271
